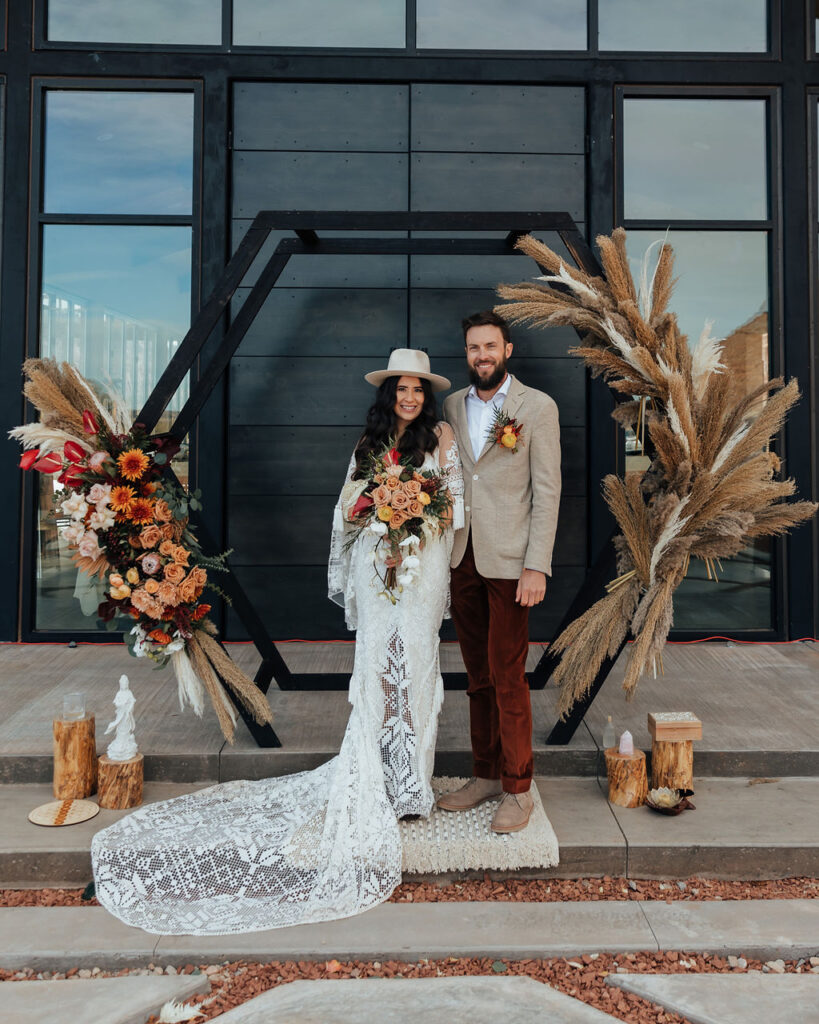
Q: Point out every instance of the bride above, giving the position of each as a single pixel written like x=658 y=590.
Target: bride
x=323 y=844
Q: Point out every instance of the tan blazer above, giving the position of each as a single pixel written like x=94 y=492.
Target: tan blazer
x=511 y=499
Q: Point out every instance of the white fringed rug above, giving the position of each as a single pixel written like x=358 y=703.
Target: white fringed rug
x=463 y=840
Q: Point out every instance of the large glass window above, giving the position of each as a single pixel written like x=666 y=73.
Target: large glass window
x=149 y=21
x=489 y=25
x=706 y=160
x=699 y=159
x=356 y=23
x=115 y=299
x=695 y=26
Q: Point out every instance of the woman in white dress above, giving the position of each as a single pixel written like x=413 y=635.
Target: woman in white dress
x=323 y=844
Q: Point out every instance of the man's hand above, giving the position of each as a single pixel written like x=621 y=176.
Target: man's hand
x=531 y=588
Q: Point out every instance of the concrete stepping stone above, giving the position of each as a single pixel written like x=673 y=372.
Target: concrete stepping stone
x=729 y=998
x=479 y=1000
x=127 y=1000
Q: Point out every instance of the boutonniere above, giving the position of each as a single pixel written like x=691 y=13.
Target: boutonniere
x=506 y=431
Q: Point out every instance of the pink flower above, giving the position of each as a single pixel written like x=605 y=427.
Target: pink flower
x=98 y=493
x=96 y=460
x=89 y=545
x=151 y=563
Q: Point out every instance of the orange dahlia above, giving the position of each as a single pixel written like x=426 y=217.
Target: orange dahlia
x=160 y=636
x=122 y=498
x=133 y=463
x=141 y=511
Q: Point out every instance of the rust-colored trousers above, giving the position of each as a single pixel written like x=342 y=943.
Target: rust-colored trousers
x=493 y=631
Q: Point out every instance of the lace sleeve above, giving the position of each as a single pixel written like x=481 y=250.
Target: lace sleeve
x=338 y=566
x=450 y=462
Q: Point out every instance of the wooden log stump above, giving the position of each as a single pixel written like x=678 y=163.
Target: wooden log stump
x=628 y=783
x=75 y=758
x=672 y=764
x=121 y=783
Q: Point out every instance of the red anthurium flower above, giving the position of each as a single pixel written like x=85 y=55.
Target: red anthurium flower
x=73 y=452
x=49 y=463
x=27 y=459
x=363 y=503
x=392 y=457
x=72 y=473
x=90 y=425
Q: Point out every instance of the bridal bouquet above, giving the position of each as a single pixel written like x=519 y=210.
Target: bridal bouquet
x=128 y=524
x=404 y=507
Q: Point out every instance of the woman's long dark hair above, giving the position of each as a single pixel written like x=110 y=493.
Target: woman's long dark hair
x=418 y=438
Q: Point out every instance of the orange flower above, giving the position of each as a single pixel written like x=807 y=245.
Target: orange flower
x=385 y=513
x=198 y=575
x=149 y=536
x=134 y=541
x=424 y=498
x=181 y=555
x=155 y=609
x=167 y=594
x=415 y=508
x=400 y=500
x=381 y=496
x=392 y=482
x=174 y=573
x=412 y=487
x=397 y=520
x=187 y=590
x=166 y=547
x=162 y=512
x=200 y=612
x=141 y=510
x=122 y=498
x=151 y=586
x=133 y=463
x=160 y=636
x=168 y=531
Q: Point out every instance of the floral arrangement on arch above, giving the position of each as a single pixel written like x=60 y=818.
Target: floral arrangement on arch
x=711 y=487
x=129 y=525
x=404 y=507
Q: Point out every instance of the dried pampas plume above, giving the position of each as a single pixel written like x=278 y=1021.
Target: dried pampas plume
x=710 y=487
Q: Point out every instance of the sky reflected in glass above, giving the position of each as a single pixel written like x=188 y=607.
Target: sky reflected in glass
x=351 y=24
x=699 y=158
x=148 y=21
x=118 y=152
x=704 y=26
x=489 y=25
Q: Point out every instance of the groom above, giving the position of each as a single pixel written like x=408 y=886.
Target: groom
x=500 y=562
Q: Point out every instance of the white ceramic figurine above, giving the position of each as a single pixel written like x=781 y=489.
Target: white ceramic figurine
x=123 y=747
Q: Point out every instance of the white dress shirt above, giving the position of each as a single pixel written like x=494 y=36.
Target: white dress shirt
x=480 y=415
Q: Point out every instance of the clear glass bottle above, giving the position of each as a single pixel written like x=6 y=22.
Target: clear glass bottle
x=609 y=736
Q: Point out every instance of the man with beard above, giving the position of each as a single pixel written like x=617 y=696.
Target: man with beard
x=509 y=440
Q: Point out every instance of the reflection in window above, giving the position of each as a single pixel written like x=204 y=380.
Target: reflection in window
x=488 y=25
x=149 y=21
x=115 y=304
x=695 y=158
x=118 y=152
x=356 y=23
x=722 y=277
x=739 y=26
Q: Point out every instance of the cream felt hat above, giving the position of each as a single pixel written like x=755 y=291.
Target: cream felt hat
x=412 y=362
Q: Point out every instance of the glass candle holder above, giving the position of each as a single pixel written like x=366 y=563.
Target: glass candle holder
x=73 y=707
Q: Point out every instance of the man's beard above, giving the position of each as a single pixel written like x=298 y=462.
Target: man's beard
x=492 y=381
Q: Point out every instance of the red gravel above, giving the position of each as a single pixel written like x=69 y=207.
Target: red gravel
x=233 y=983
x=540 y=890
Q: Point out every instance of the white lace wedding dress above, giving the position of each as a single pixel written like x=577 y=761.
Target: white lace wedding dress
x=322 y=844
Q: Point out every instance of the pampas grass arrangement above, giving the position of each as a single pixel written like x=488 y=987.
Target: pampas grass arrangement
x=711 y=487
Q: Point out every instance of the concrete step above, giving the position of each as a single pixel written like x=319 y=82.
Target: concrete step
x=57 y=938
x=729 y=998
x=126 y=1000
x=479 y=1000
x=739 y=830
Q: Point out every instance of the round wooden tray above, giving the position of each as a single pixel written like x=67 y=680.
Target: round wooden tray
x=64 y=812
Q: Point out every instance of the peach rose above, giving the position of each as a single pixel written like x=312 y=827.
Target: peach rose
x=187 y=590
x=381 y=496
x=174 y=573
x=167 y=594
x=134 y=542
x=397 y=520
x=412 y=487
x=181 y=555
x=167 y=531
x=415 y=508
x=162 y=512
x=149 y=536
x=166 y=548
x=199 y=576
x=392 y=482
x=151 y=586
x=115 y=580
x=400 y=500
